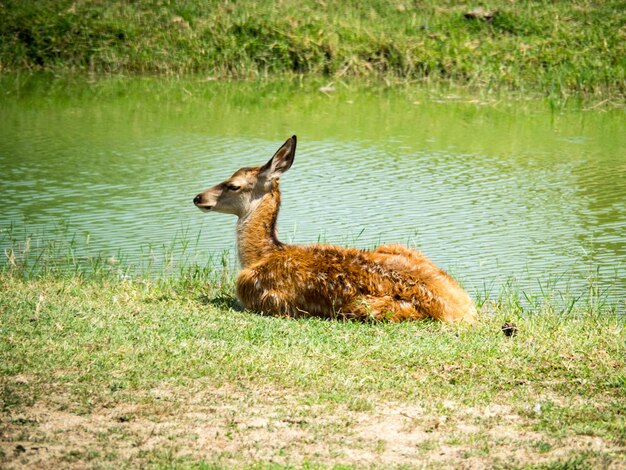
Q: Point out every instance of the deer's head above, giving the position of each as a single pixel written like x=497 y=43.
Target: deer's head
x=240 y=193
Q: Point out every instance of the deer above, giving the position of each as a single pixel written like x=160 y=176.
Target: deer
x=388 y=283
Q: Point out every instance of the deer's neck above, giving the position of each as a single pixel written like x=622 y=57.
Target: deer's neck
x=256 y=231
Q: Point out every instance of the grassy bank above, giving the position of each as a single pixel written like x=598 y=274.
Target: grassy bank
x=556 y=49
x=106 y=372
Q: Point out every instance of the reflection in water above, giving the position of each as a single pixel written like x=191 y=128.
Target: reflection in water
x=489 y=192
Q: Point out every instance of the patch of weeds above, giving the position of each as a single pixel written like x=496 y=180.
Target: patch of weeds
x=604 y=420
x=15 y=395
x=23 y=422
x=92 y=455
x=481 y=451
x=73 y=455
x=579 y=462
x=379 y=446
x=203 y=465
x=619 y=381
x=542 y=446
x=428 y=444
x=360 y=404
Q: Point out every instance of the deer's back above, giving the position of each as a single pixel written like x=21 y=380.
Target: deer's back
x=326 y=280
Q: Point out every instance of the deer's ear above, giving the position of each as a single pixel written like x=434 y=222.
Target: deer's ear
x=281 y=161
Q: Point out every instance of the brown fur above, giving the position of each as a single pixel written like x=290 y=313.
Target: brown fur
x=392 y=282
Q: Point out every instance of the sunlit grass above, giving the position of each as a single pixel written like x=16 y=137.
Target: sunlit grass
x=81 y=346
x=81 y=337
x=62 y=253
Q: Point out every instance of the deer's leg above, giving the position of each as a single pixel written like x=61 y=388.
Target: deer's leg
x=255 y=296
x=382 y=308
x=445 y=299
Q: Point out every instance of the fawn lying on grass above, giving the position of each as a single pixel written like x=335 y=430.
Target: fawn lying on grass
x=391 y=282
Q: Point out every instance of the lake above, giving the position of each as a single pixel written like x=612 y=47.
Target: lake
x=500 y=193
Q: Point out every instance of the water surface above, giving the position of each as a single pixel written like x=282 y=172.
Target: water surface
x=492 y=191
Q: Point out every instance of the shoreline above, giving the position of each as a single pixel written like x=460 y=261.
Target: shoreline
x=17 y=85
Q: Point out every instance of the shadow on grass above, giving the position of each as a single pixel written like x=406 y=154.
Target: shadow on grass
x=222 y=301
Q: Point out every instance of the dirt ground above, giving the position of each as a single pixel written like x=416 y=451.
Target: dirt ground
x=235 y=428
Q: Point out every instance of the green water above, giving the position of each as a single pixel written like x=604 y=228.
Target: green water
x=491 y=190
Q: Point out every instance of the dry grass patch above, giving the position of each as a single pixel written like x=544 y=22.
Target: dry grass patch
x=233 y=427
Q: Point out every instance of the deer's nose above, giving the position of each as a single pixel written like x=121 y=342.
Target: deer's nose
x=196 y=200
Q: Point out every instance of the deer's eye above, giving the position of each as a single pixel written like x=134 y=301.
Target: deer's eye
x=233 y=187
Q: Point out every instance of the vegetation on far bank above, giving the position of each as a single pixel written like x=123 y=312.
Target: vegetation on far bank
x=556 y=49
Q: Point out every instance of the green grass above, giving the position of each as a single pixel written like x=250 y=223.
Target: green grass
x=98 y=369
x=555 y=49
